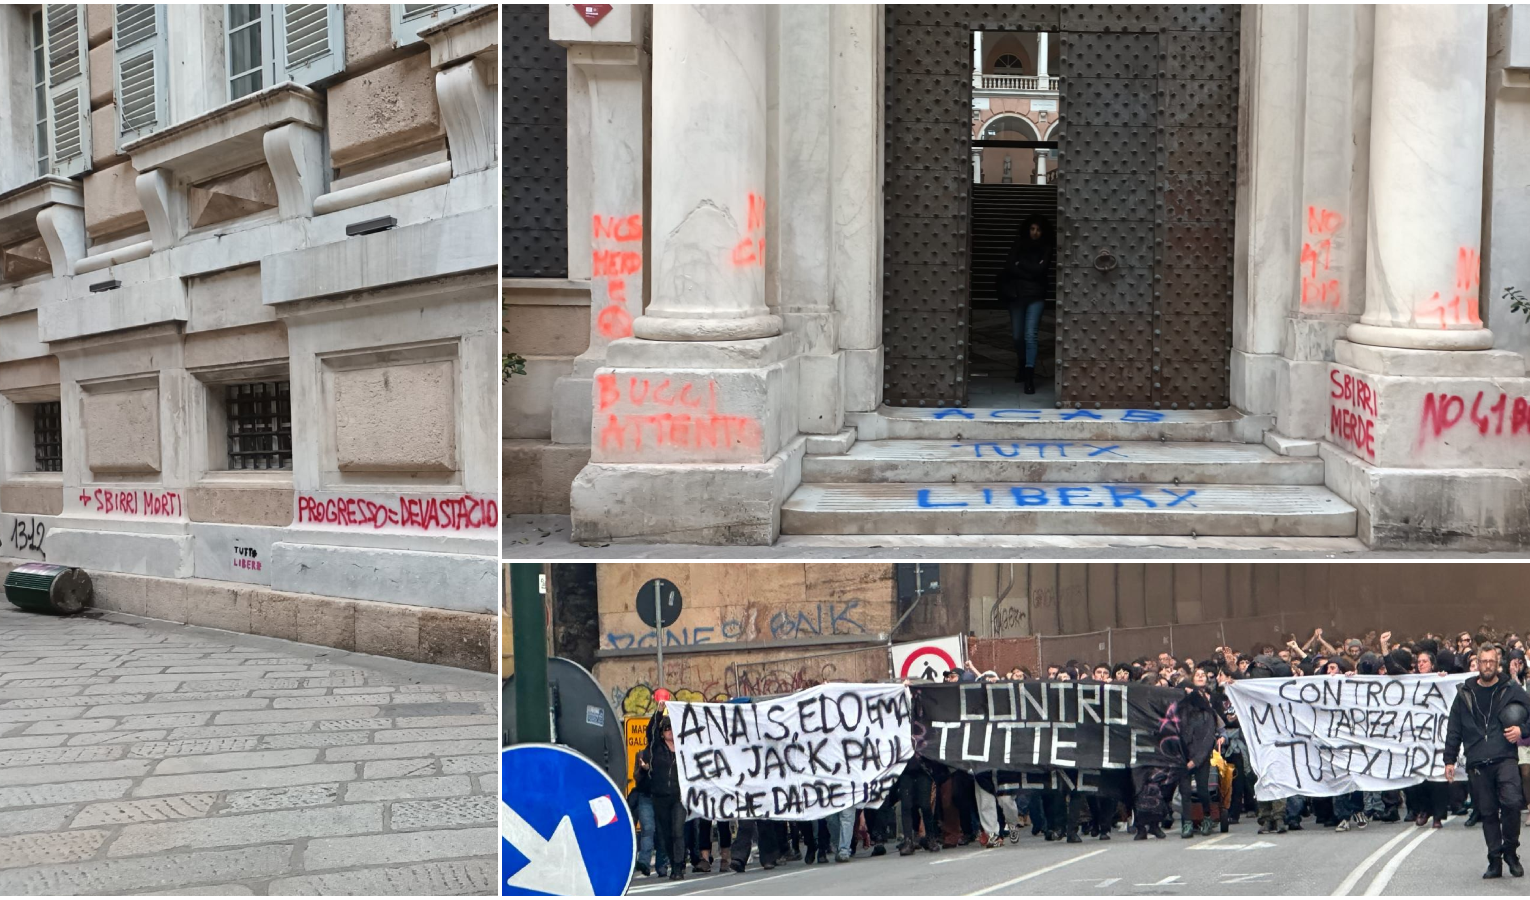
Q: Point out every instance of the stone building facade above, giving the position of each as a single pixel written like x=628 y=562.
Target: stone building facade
x=248 y=325
x=1293 y=242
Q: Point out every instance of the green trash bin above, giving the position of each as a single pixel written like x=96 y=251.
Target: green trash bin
x=47 y=588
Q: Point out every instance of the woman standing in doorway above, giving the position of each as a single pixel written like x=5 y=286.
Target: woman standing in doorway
x=1024 y=285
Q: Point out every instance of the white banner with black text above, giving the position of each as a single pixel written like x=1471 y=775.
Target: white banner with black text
x=1330 y=735
x=794 y=758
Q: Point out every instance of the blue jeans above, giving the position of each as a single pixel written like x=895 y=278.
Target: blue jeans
x=842 y=831
x=646 y=845
x=1025 y=323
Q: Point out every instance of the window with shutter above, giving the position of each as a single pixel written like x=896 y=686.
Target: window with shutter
x=312 y=41
x=409 y=19
x=40 y=94
x=272 y=43
x=248 y=48
x=142 y=88
x=68 y=57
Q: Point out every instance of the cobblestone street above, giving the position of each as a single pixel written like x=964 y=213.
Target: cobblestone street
x=138 y=756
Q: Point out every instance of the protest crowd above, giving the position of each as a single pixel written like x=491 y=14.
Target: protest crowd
x=1096 y=750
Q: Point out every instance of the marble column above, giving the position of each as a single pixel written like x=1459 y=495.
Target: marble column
x=977 y=165
x=1041 y=59
x=709 y=163
x=1427 y=120
x=1041 y=166
x=977 y=59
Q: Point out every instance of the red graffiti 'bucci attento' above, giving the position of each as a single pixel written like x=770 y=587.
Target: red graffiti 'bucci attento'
x=1488 y=416
x=614 y=319
x=155 y=504
x=1352 y=413
x=1462 y=307
x=666 y=413
x=1317 y=288
x=750 y=251
x=461 y=513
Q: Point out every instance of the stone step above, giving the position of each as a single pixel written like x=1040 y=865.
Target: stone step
x=935 y=461
x=1091 y=508
x=982 y=424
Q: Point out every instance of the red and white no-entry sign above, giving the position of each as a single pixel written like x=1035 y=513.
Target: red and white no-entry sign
x=929 y=659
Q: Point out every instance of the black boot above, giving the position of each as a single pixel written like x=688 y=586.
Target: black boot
x=1141 y=833
x=1495 y=868
x=1028 y=376
x=1515 y=868
x=1156 y=830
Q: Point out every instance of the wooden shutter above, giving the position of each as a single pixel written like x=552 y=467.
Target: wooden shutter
x=68 y=60
x=311 y=39
x=142 y=87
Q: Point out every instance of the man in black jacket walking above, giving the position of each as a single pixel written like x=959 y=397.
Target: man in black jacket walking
x=1478 y=720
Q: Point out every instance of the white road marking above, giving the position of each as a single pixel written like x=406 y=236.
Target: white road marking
x=752 y=881
x=1041 y=871
x=1236 y=878
x=1384 y=877
x=1211 y=843
x=1108 y=882
x=1353 y=878
x=1166 y=880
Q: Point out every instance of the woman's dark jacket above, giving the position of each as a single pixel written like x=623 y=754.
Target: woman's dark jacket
x=1027 y=273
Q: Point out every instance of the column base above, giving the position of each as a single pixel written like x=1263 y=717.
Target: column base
x=698 y=503
x=1421 y=338
x=1432 y=509
x=657 y=328
x=1429 y=409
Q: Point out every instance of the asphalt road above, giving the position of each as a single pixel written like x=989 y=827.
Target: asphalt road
x=1382 y=859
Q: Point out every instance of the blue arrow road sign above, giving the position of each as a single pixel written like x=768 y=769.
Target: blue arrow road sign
x=564 y=825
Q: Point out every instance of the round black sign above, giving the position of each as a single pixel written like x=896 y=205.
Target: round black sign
x=669 y=603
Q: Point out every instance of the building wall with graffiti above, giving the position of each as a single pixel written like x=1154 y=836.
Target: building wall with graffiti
x=776 y=628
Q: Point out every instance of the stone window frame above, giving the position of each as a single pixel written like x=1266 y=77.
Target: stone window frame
x=331 y=362
x=272 y=24
x=20 y=455
x=210 y=454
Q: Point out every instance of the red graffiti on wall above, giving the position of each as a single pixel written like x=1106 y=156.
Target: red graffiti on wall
x=1352 y=413
x=1487 y=416
x=750 y=251
x=158 y=504
x=667 y=413
x=1462 y=307
x=614 y=319
x=461 y=513
x=1317 y=288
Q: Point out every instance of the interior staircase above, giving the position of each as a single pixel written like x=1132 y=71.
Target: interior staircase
x=1062 y=472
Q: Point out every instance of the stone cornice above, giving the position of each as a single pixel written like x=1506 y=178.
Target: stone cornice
x=473 y=33
x=20 y=205
x=228 y=138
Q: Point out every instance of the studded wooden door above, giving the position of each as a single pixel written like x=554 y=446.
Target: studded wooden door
x=1148 y=155
x=1147 y=140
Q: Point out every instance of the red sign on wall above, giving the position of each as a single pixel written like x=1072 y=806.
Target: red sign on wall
x=593 y=12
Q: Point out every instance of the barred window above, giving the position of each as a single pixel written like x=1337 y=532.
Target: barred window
x=48 y=436
x=259 y=425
